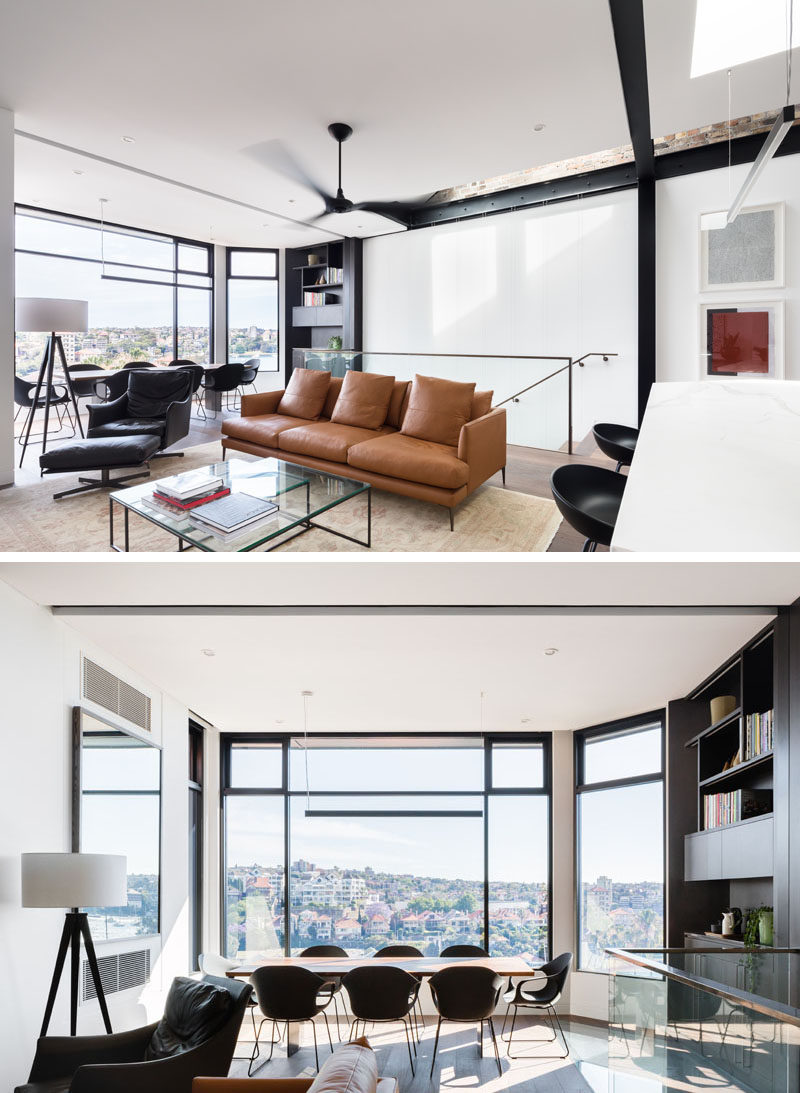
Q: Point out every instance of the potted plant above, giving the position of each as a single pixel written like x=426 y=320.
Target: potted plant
x=759 y=927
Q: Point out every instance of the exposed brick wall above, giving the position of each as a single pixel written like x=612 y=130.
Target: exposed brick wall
x=674 y=142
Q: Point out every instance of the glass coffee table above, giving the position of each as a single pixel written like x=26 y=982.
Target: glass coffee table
x=302 y=495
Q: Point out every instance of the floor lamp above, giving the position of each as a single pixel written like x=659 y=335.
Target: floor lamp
x=36 y=314
x=74 y=881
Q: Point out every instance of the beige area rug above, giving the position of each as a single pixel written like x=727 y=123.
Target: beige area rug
x=491 y=519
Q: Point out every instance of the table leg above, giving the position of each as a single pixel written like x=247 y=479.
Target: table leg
x=127 y=535
x=212 y=400
x=292 y=1038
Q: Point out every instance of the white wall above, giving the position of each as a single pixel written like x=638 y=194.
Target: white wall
x=6 y=297
x=40 y=683
x=555 y=280
x=679 y=203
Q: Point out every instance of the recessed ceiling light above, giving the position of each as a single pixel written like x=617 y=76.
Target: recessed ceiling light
x=278 y=720
x=539 y=127
x=550 y=652
x=292 y=201
x=306 y=694
x=209 y=652
x=129 y=140
x=77 y=172
x=524 y=720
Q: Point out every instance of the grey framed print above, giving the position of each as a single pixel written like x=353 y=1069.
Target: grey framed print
x=747 y=254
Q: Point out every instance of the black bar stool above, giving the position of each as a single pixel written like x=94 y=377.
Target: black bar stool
x=616 y=441
x=588 y=498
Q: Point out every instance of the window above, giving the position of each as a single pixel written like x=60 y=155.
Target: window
x=150 y=296
x=253 y=306
x=195 y=843
x=120 y=813
x=367 y=841
x=620 y=844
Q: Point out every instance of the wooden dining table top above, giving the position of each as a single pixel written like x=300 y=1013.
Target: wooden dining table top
x=334 y=966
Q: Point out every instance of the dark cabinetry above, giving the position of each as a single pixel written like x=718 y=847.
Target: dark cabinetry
x=323 y=296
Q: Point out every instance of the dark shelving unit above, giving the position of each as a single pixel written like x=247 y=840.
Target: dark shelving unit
x=310 y=326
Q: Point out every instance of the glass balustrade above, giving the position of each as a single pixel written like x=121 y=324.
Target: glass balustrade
x=691 y=1018
x=534 y=391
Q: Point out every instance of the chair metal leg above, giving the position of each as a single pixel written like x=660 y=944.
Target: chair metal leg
x=435 y=1044
x=480 y=1039
x=328 y=1027
x=560 y=1029
x=496 y=1052
x=409 y=1037
x=316 y=1053
x=590 y=546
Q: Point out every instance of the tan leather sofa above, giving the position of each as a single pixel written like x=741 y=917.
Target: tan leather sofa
x=427 y=438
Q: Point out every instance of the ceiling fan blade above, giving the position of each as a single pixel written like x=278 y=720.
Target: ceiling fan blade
x=393 y=210
x=275 y=155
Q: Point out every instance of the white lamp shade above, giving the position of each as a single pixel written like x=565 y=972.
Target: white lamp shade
x=38 y=313
x=74 y=880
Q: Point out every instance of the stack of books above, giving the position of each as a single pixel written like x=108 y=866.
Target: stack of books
x=230 y=515
x=186 y=491
x=720 y=809
x=317 y=299
x=758 y=733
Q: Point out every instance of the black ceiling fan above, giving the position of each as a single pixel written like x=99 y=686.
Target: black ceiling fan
x=399 y=211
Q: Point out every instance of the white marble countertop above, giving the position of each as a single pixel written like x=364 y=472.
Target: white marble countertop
x=717 y=468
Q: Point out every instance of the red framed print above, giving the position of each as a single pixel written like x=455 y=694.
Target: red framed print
x=742 y=340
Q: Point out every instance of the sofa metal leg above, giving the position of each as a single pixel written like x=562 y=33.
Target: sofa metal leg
x=452 y=519
x=503 y=473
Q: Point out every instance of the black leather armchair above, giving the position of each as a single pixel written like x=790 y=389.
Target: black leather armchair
x=155 y=403
x=118 y=1063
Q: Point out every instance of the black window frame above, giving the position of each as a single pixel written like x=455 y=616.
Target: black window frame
x=175 y=240
x=229 y=252
x=619 y=727
x=230 y=740
x=196 y=842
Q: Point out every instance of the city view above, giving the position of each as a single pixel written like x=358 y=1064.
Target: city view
x=111 y=347
x=619 y=915
x=137 y=918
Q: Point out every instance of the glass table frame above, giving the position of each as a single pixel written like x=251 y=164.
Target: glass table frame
x=276 y=479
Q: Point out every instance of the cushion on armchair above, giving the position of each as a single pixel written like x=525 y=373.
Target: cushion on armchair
x=150 y=394
x=305 y=394
x=194 y=1011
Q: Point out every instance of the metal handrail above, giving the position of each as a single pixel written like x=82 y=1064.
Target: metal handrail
x=571 y=361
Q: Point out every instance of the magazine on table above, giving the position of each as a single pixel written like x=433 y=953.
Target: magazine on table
x=234 y=512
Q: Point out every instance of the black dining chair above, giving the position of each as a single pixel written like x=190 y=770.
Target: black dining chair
x=197 y=371
x=389 y=951
x=138 y=364
x=111 y=385
x=382 y=994
x=616 y=441
x=539 y=994
x=25 y=396
x=466 y=994
x=84 y=388
x=224 y=379
x=249 y=375
x=589 y=499
x=287 y=994
x=333 y=987
x=463 y=950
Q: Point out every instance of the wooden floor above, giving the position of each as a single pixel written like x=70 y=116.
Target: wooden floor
x=458 y=1064
x=528 y=469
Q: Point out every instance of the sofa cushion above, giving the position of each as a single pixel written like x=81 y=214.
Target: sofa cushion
x=334 y=387
x=481 y=404
x=400 y=456
x=437 y=409
x=261 y=429
x=364 y=400
x=193 y=1012
x=326 y=439
x=351 y=1069
x=305 y=394
x=394 y=416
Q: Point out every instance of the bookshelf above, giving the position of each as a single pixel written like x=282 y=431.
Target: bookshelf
x=323 y=296
x=721 y=794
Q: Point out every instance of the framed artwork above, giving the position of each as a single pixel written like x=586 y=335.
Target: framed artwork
x=741 y=339
x=747 y=254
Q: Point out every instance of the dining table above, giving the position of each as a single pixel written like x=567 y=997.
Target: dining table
x=334 y=967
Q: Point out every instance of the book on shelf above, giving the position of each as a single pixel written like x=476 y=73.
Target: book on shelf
x=758 y=733
x=189 y=484
x=184 y=506
x=233 y=513
x=721 y=809
x=318 y=299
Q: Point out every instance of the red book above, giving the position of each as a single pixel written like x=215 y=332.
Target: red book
x=184 y=505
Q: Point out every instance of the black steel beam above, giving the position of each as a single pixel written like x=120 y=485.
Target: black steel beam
x=712 y=157
x=627 y=20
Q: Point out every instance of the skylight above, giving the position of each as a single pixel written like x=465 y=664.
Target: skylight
x=733 y=32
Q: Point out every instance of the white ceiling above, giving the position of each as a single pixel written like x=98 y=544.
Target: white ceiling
x=413 y=668
x=677 y=102
x=438 y=94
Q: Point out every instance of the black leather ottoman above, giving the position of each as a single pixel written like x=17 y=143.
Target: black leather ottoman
x=100 y=454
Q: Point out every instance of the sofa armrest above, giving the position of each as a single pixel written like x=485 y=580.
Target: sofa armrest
x=482 y=446
x=251 y=1085
x=101 y=413
x=263 y=402
x=60 y=1055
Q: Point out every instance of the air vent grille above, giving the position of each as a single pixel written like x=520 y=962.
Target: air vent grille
x=113 y=694
x=118 y=972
